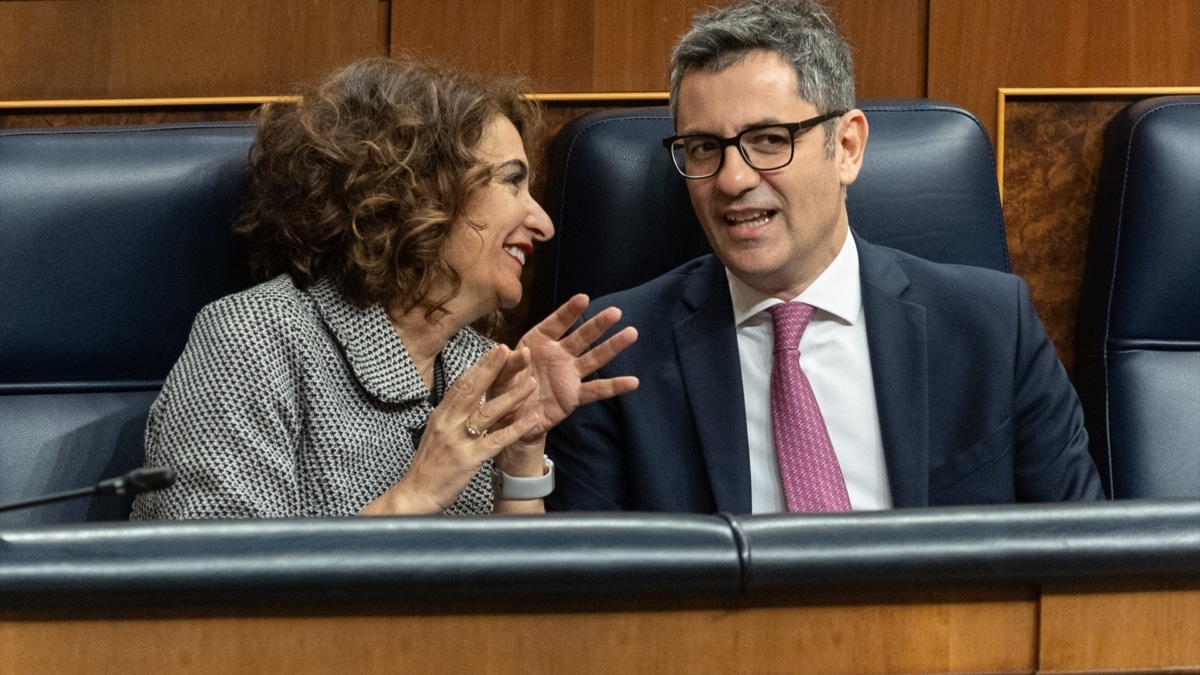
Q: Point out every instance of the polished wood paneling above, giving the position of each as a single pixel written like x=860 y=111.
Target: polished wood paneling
x=122 y=115
x=1052 y=154
x=633 y=44
x=634 y=40
x=1142 y=631
x=931 y=635
x=71 y=49
x=888 y=38
x=625 y=45
x=1064 y=630
x=549 y=42
x=978 y=46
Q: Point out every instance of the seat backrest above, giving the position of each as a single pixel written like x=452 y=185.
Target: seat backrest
x=622 y=213
x=1138 y=347
x=111 y=240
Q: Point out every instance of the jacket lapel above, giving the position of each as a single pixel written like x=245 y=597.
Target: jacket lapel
x=706 y=341
x=898 y=344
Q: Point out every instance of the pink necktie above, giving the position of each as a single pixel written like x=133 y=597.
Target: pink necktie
x=812 y=477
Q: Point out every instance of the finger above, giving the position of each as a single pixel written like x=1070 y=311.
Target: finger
x=518 y=360
x=598 y=390
x=591 y=330
x=560 y=320
x=466 y=391
x=606 y=351
x=492 y=413
x=519 y=427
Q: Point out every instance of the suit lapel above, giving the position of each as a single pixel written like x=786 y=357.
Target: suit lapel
x=897 y=341
x=706 y=341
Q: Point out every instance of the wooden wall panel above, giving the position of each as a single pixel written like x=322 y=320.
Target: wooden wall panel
x=1052 y=154
x=548 y=41
x=978 y=46
x=634 y=40
x=888 y=38
x=123 y=115
x=70 y=49
x=625 y=45
x=46 y=51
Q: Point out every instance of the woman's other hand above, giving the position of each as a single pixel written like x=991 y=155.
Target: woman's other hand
x=560 y=362
x=463 y=431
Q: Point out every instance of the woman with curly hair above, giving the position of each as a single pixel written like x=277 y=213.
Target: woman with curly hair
x=389 y=212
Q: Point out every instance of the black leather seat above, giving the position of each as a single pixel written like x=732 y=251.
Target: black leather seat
x=111 y=239
x=1138 y=347
x=928 y=187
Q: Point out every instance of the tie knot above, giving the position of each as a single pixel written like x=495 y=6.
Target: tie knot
x=790 y=319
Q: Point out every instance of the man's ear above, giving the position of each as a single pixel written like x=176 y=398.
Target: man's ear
x=851 y=143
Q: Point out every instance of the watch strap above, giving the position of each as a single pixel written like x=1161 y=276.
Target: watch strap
x=507 y=487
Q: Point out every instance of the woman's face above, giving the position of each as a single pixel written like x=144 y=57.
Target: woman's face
x=504 y=221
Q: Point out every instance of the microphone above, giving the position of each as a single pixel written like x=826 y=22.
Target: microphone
x=145 y=479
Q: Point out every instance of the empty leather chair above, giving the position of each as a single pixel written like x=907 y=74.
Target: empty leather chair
x=111 y=240
x=1138 y=347
x=622 y=213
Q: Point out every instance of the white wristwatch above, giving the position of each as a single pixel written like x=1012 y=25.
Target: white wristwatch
x=506 y=487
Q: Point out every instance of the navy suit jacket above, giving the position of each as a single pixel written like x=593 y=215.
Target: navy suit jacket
x=974 y=405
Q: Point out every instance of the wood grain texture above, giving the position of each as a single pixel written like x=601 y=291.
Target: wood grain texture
x=938 y=636
x=634 y=39
x=979 y=46
x=1120 y=632
x=633 y=43
x=1052 y=155
x=84 y=117
x=625 y=45
x=69 y=49
x=550 y=42
x=889 y=41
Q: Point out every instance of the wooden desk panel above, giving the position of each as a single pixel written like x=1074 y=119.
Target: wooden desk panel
x=1120 y=631
x=1082 y=588
x=997 y=635
x=1065 y=631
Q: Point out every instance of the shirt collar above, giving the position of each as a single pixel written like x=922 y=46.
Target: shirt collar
x=837 y=291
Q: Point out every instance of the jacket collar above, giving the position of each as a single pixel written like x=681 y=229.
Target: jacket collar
x=897 y=340
x=706 y=340
x=376 y=354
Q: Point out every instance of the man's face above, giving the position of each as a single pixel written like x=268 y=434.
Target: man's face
x=775 y=230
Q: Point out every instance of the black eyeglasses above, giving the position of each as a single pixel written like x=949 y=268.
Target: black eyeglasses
x=764 y=147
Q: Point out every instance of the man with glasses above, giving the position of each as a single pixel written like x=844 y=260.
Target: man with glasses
x=729 y=417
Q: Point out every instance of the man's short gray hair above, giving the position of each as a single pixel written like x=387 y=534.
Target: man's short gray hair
x=800 y=31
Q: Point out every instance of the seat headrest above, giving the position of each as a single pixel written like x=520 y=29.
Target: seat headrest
x=1145 y=238
x=111 y=239
x=1137 y=357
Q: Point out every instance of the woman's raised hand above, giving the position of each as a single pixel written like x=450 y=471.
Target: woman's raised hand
x=465 y=430
x=561 y=361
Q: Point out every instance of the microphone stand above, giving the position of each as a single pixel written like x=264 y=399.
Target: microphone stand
x=138 y=481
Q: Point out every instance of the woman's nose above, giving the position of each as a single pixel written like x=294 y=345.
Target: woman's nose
x=539 y=221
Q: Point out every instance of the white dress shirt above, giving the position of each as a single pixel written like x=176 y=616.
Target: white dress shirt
x=834 y=357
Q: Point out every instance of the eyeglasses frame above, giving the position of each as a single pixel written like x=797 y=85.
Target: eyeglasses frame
x=794 y=128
